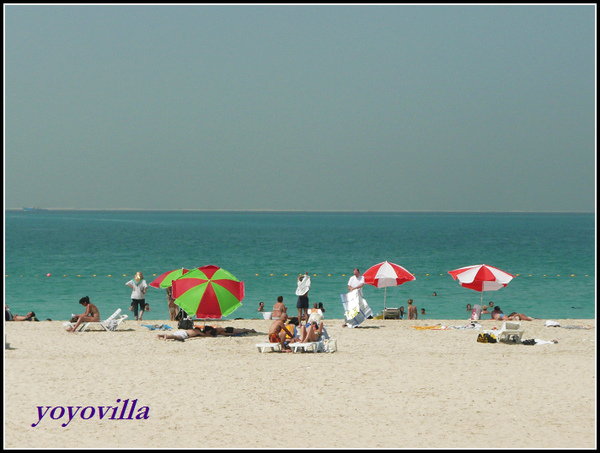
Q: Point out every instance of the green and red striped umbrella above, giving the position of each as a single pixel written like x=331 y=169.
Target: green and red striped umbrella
x=208 y=292
x=164 y=280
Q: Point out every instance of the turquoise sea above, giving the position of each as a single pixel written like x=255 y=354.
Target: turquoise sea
x=94 y=253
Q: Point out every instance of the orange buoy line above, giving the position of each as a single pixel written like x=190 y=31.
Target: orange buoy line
x=48 y=275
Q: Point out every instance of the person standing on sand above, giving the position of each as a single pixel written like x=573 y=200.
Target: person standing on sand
x=357 y=281
x=138 y=295
x=171 y=303
x=412 y=310
x=302 y=293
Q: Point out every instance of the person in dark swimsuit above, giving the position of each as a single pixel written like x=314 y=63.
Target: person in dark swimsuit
x=92 y=314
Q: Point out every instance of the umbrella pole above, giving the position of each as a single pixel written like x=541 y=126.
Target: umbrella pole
x=384 y=297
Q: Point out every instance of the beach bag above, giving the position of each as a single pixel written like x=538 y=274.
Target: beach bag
x=486 y=338
x=331 y=345
x=185 y=324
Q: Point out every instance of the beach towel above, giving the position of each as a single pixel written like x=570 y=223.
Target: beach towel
x=291 y=328
x=303 y=286
x=157 y=327
x=356 y=308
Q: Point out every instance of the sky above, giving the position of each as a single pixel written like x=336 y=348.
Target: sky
x=301 y=107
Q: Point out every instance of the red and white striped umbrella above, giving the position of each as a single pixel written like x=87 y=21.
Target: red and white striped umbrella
x=481 y=277
x=387 y=274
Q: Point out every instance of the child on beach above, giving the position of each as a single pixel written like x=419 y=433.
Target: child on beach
x=138 y=294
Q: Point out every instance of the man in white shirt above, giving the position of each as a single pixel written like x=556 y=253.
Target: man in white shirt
x=357 y=281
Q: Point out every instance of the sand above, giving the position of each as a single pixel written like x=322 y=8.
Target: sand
x=387 y=386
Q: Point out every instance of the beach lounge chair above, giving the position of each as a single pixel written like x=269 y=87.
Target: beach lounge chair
x=263 y=347
x=276 y=347
x=510 y=330
x=314 y=346
x=109 y=324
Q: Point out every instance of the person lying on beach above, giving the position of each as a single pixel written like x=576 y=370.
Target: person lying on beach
x=207 y=331
x=313 y=333
x=29 y=317
x=278 y=331
x=224 y=331
x=91 y=313
x=514 y=316
x=182 y=335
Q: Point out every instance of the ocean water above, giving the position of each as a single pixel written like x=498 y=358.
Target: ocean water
x=95 y=253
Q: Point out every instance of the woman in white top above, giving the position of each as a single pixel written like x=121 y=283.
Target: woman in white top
x=138 y=295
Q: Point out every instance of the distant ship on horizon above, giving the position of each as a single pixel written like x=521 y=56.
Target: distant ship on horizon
x=33 y=209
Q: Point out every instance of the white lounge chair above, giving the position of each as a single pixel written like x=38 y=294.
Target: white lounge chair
x=314 y=346
x=275 y=347
x=262 y=347
x=109 y=324
x=510 y=329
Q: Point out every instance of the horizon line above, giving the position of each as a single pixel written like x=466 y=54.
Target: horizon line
x=308 y=210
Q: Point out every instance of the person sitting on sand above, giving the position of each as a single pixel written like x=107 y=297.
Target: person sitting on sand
x=313 y=333
x=514 y=316
x=279 y=308
x=91 y=313
x=278 y=331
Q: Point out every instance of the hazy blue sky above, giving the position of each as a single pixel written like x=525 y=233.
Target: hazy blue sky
x=301 y=107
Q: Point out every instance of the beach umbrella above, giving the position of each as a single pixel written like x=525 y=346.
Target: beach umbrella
x=164 y=280
x=387 y=274
x=208 y=292
x=481 y=278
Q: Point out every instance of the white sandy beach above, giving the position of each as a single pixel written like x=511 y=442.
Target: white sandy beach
x=387 y=386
